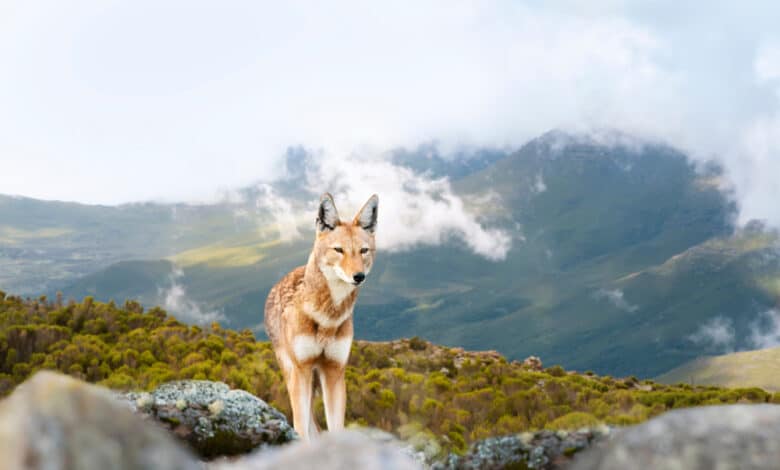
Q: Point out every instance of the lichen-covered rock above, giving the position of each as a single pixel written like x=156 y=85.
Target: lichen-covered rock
x=713 y=437
x=350 y=450
x=54 y=422
x=213 y=419
x=533 y=363
x=540 y=450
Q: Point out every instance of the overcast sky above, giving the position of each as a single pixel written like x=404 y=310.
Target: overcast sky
x=114 y=101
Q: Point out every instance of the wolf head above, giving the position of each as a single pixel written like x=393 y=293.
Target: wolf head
x=344 y=251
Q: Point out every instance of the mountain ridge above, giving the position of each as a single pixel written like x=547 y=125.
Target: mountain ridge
x=619 y=253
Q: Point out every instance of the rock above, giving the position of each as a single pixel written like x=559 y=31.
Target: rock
x=713 y=437
x=533 y=363
x=52 y=421
x=330 y=451
x=213 y=419
x=540 y=450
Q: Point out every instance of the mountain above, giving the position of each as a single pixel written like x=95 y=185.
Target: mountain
x=759 y=368
x=428 y=159
x=621 y=251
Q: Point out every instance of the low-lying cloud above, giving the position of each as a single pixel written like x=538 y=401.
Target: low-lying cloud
x=717 y=333
x=617 y=298
x=414 y=209
x=720 y=333
x=175 y=300
x=765 y=331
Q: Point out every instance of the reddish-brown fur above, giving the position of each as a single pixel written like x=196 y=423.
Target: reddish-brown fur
x=308 y=314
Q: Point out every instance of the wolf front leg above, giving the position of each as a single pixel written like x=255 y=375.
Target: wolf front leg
x=299 y=387
x=334 y=396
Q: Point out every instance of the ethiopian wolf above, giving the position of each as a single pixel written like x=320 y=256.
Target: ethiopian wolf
x=308 y=314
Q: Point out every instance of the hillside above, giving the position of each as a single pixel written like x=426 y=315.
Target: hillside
x=410 y=387
x=621 y=251
x=740 y=369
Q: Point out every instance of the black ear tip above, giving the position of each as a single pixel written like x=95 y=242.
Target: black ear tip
x=326 y=196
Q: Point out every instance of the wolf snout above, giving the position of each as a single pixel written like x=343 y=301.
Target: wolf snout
x=359 y=277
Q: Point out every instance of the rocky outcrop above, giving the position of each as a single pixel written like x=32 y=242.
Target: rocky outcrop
x=55 y=422
x=331 y=451
x=213 y=419
x=722 y=437
x=540 y=450
x=533 y=363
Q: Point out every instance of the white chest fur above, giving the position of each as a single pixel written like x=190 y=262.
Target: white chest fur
x=324 y=320
x=308 y=347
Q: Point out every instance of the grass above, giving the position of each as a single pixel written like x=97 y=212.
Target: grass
x=759 y=368
x=219 y=255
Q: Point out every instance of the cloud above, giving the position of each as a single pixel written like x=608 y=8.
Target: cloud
x=765 y=330
x=616 y=298
x=717 y=333
x=539 y=185
x=414 y=209
x=286 y=218
x=163 y=107
x=175 y=300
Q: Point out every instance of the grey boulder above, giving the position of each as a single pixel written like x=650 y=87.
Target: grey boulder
x=54 y=422
x=213 y=419
x=538 y=450
x=330 y=451
x=745 y=437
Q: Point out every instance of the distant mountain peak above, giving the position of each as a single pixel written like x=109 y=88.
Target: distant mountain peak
x=557 y=140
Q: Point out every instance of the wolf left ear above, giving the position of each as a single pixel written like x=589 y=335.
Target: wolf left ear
x=327 y=216
x=366 y=218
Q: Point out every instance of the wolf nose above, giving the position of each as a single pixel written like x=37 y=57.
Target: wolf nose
x=359 y=277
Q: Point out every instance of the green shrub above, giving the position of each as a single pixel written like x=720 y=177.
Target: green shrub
x=408 y=386
x=572 y=421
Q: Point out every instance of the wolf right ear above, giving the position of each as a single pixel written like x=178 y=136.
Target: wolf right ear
x=366 y=218
x=327 y=217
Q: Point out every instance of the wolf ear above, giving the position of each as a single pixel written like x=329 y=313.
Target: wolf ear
x=366 y=218
x=327 y=217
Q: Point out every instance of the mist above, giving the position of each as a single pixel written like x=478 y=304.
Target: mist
x=137 y=101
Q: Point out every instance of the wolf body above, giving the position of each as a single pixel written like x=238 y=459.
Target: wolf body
x=308 y=313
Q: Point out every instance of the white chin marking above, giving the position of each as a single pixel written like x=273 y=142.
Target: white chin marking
x=342 y=275
x=338 y=350
x=339 y=283
x=306 y=347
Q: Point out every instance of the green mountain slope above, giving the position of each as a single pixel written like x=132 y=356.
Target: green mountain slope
x=744 y=369
x=620 y=253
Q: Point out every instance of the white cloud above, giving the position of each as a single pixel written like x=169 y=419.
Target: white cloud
x=617 y=298
x=285 y=216
x=539 y=185
x=765 y=331
x=717 y=333
x=767 y=63
x=413 y=209
x=134 y=101
x=176 y=301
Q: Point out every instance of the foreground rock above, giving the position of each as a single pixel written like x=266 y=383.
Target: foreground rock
x=213 y=419
x=540 y=450
x=331 y=451
x=716 y=437
x=55 y=422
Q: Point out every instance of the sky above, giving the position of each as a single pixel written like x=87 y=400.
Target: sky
x=117 y=101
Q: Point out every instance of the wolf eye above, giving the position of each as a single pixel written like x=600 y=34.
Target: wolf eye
x=338 y=249
x=363 y=251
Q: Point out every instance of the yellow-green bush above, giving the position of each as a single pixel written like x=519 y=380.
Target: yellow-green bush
x=407 y=386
